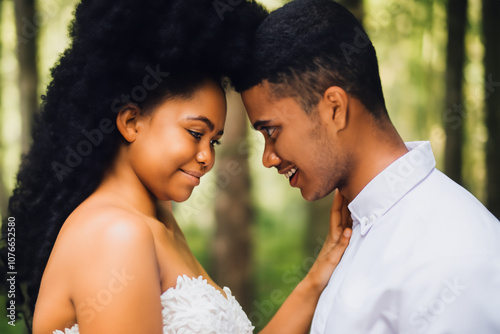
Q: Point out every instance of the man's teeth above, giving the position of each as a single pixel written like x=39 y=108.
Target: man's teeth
x=290 y=173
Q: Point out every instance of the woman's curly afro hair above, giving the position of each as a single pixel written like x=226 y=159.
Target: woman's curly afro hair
x=127 y=51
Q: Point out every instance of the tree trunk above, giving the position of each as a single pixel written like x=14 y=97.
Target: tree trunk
x=232 y=252
x=454 y=115
x=27 y=32
x=491 y=35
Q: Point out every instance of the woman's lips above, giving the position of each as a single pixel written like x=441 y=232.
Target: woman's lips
x=194 y=176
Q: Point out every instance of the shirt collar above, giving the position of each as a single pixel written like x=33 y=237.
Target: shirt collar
x=394 y=182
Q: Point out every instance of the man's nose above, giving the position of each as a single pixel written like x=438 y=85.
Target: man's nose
x=270 y=158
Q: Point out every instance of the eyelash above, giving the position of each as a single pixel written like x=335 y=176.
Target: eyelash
x=195 y=134
x=269 y=131
x=198 y=136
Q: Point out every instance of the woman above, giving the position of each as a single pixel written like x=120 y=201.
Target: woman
x=131 y=118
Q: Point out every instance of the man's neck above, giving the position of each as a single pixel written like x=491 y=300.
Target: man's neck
x=375 y=154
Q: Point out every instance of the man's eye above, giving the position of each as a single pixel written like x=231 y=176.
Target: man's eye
x=269 y=131
x=214 y=142
x=195 y=134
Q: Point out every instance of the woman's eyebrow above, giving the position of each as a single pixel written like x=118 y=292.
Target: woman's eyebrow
x=205 y=120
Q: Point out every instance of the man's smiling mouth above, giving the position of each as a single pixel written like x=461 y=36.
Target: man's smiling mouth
x=291 y=173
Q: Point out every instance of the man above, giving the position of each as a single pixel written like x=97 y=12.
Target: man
x=424 y=254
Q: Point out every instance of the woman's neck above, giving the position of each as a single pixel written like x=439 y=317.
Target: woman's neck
x=121 y=182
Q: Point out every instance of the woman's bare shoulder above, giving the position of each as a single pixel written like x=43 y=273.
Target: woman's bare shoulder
x=101 y=232
x=99 y=247
x=105 y=221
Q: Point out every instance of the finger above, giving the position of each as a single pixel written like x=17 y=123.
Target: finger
x=336 y=217
x=344 y=240
x=338 y=200
x=337 y=251
x=346 y=235
x=336 y=210
x=346 y=214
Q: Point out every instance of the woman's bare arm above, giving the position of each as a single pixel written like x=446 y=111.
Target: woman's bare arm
x=117 y=288
x=295 y=315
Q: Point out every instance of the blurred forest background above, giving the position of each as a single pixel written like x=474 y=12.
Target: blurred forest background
x=440 y=68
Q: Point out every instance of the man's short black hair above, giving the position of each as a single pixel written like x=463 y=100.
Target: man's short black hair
x=307 y=46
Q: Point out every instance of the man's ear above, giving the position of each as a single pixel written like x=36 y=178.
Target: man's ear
x=333 y=107
x=127 y=120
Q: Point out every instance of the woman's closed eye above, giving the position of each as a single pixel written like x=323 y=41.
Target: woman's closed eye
x=199 y=135
x=195 y=134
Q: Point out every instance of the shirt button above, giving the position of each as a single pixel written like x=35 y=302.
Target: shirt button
x=372 y=218
x=364 y=221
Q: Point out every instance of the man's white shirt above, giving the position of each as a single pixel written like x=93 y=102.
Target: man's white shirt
x=424 y=257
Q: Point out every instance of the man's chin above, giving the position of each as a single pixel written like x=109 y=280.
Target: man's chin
x=311 y=195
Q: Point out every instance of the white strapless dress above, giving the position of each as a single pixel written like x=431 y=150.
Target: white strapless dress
x=196 y=307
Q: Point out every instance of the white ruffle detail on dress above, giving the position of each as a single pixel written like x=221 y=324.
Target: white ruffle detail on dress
x=195 y=307
x=72 y=330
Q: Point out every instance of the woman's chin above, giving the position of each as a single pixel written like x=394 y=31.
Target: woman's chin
x=180 y=197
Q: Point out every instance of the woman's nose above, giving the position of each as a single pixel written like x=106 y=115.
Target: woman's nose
x=206 y=156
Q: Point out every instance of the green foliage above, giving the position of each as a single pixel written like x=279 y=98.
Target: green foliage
x=5 y=328
x=280 y=263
